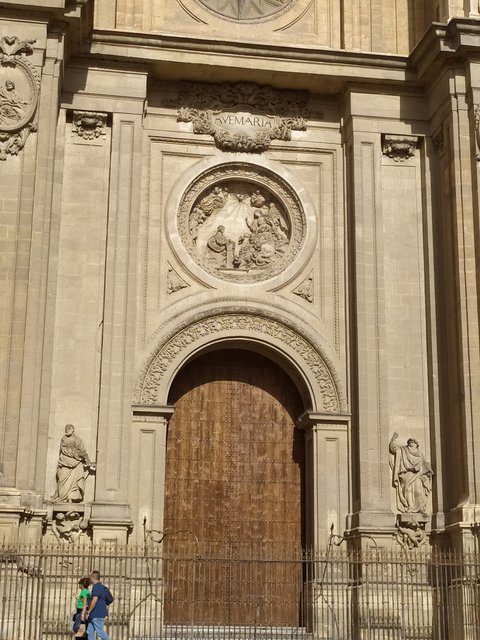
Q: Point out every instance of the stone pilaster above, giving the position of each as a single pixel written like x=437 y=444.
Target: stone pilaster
x=110 y=508
x=371 y=512
x=327 y=477
x=147 y=469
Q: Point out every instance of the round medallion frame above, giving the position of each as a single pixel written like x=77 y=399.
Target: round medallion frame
x=227 y=10
x=267 y=175
x=29 y=72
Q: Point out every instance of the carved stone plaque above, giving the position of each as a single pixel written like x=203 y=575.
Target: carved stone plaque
x=243 y=116
x=240 y=224
x=246 y=10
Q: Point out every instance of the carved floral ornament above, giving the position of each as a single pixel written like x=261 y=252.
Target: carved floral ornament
x=243 y=116
x=240 y=223
x=19 y=90
x=146 y=392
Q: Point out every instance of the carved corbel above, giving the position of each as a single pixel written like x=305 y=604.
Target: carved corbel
x=89 y=125
x=399 y=148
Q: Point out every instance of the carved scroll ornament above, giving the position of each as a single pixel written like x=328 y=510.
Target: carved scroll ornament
x=19 y=90
x=153 y=372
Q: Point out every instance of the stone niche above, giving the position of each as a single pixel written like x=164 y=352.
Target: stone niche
x=241 y=224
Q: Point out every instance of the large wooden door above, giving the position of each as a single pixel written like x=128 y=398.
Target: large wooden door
x=234 y=493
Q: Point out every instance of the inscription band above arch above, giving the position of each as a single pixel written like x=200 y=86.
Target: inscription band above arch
x=159 y=362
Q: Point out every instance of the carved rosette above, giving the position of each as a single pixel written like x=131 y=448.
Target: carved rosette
x=244 y=116
x=149 y=380
x=241 y=223
x=19 y=91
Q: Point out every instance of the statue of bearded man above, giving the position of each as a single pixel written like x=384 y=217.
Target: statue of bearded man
x=73 y=468
x=411 y=476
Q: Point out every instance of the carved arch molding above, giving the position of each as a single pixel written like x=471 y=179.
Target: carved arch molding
x=159 y=363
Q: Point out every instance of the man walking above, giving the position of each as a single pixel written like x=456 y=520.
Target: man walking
x=97 y=609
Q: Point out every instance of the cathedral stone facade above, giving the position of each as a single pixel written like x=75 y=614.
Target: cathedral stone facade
x=239 y=287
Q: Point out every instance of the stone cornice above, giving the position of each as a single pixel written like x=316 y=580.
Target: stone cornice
x=245 y=58
x=459 y=39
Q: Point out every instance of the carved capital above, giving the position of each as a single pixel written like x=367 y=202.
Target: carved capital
x=89 y=125
x=399 y=148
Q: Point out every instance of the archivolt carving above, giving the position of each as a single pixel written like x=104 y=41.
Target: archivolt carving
x=241 y=224
x=147 y=388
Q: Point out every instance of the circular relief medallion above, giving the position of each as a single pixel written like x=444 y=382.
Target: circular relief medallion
x=246 y=10
x=18 y=94
x=240 y=224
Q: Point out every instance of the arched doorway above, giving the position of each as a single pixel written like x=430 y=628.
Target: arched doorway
x=234 y=493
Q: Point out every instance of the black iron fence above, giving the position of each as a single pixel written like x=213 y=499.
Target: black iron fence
x=244 y=594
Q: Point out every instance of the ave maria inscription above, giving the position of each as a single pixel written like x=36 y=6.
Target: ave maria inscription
x=241 y=131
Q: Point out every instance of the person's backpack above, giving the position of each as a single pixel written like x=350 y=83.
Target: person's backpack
x=107 y=595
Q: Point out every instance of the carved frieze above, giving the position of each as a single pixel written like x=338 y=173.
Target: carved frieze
x=240 y=223
x=19 y=90
x=147 y=388
x=243 y=116
x=89 y=125
x=399 y=148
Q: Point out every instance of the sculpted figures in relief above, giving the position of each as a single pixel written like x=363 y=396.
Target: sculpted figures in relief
x=73 y=468
x=11 y=104
x=242 y=229
x=411 y=476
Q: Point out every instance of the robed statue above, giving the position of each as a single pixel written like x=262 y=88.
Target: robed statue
x=73 y=467
x=411 y=476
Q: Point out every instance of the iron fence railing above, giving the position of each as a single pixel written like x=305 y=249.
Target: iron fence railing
x=244 y=594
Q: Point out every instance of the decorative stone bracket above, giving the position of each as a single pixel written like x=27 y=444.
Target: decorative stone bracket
x=89 y=125
x=399 y=148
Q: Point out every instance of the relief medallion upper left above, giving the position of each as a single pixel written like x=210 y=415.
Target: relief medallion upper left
x=19 y=90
